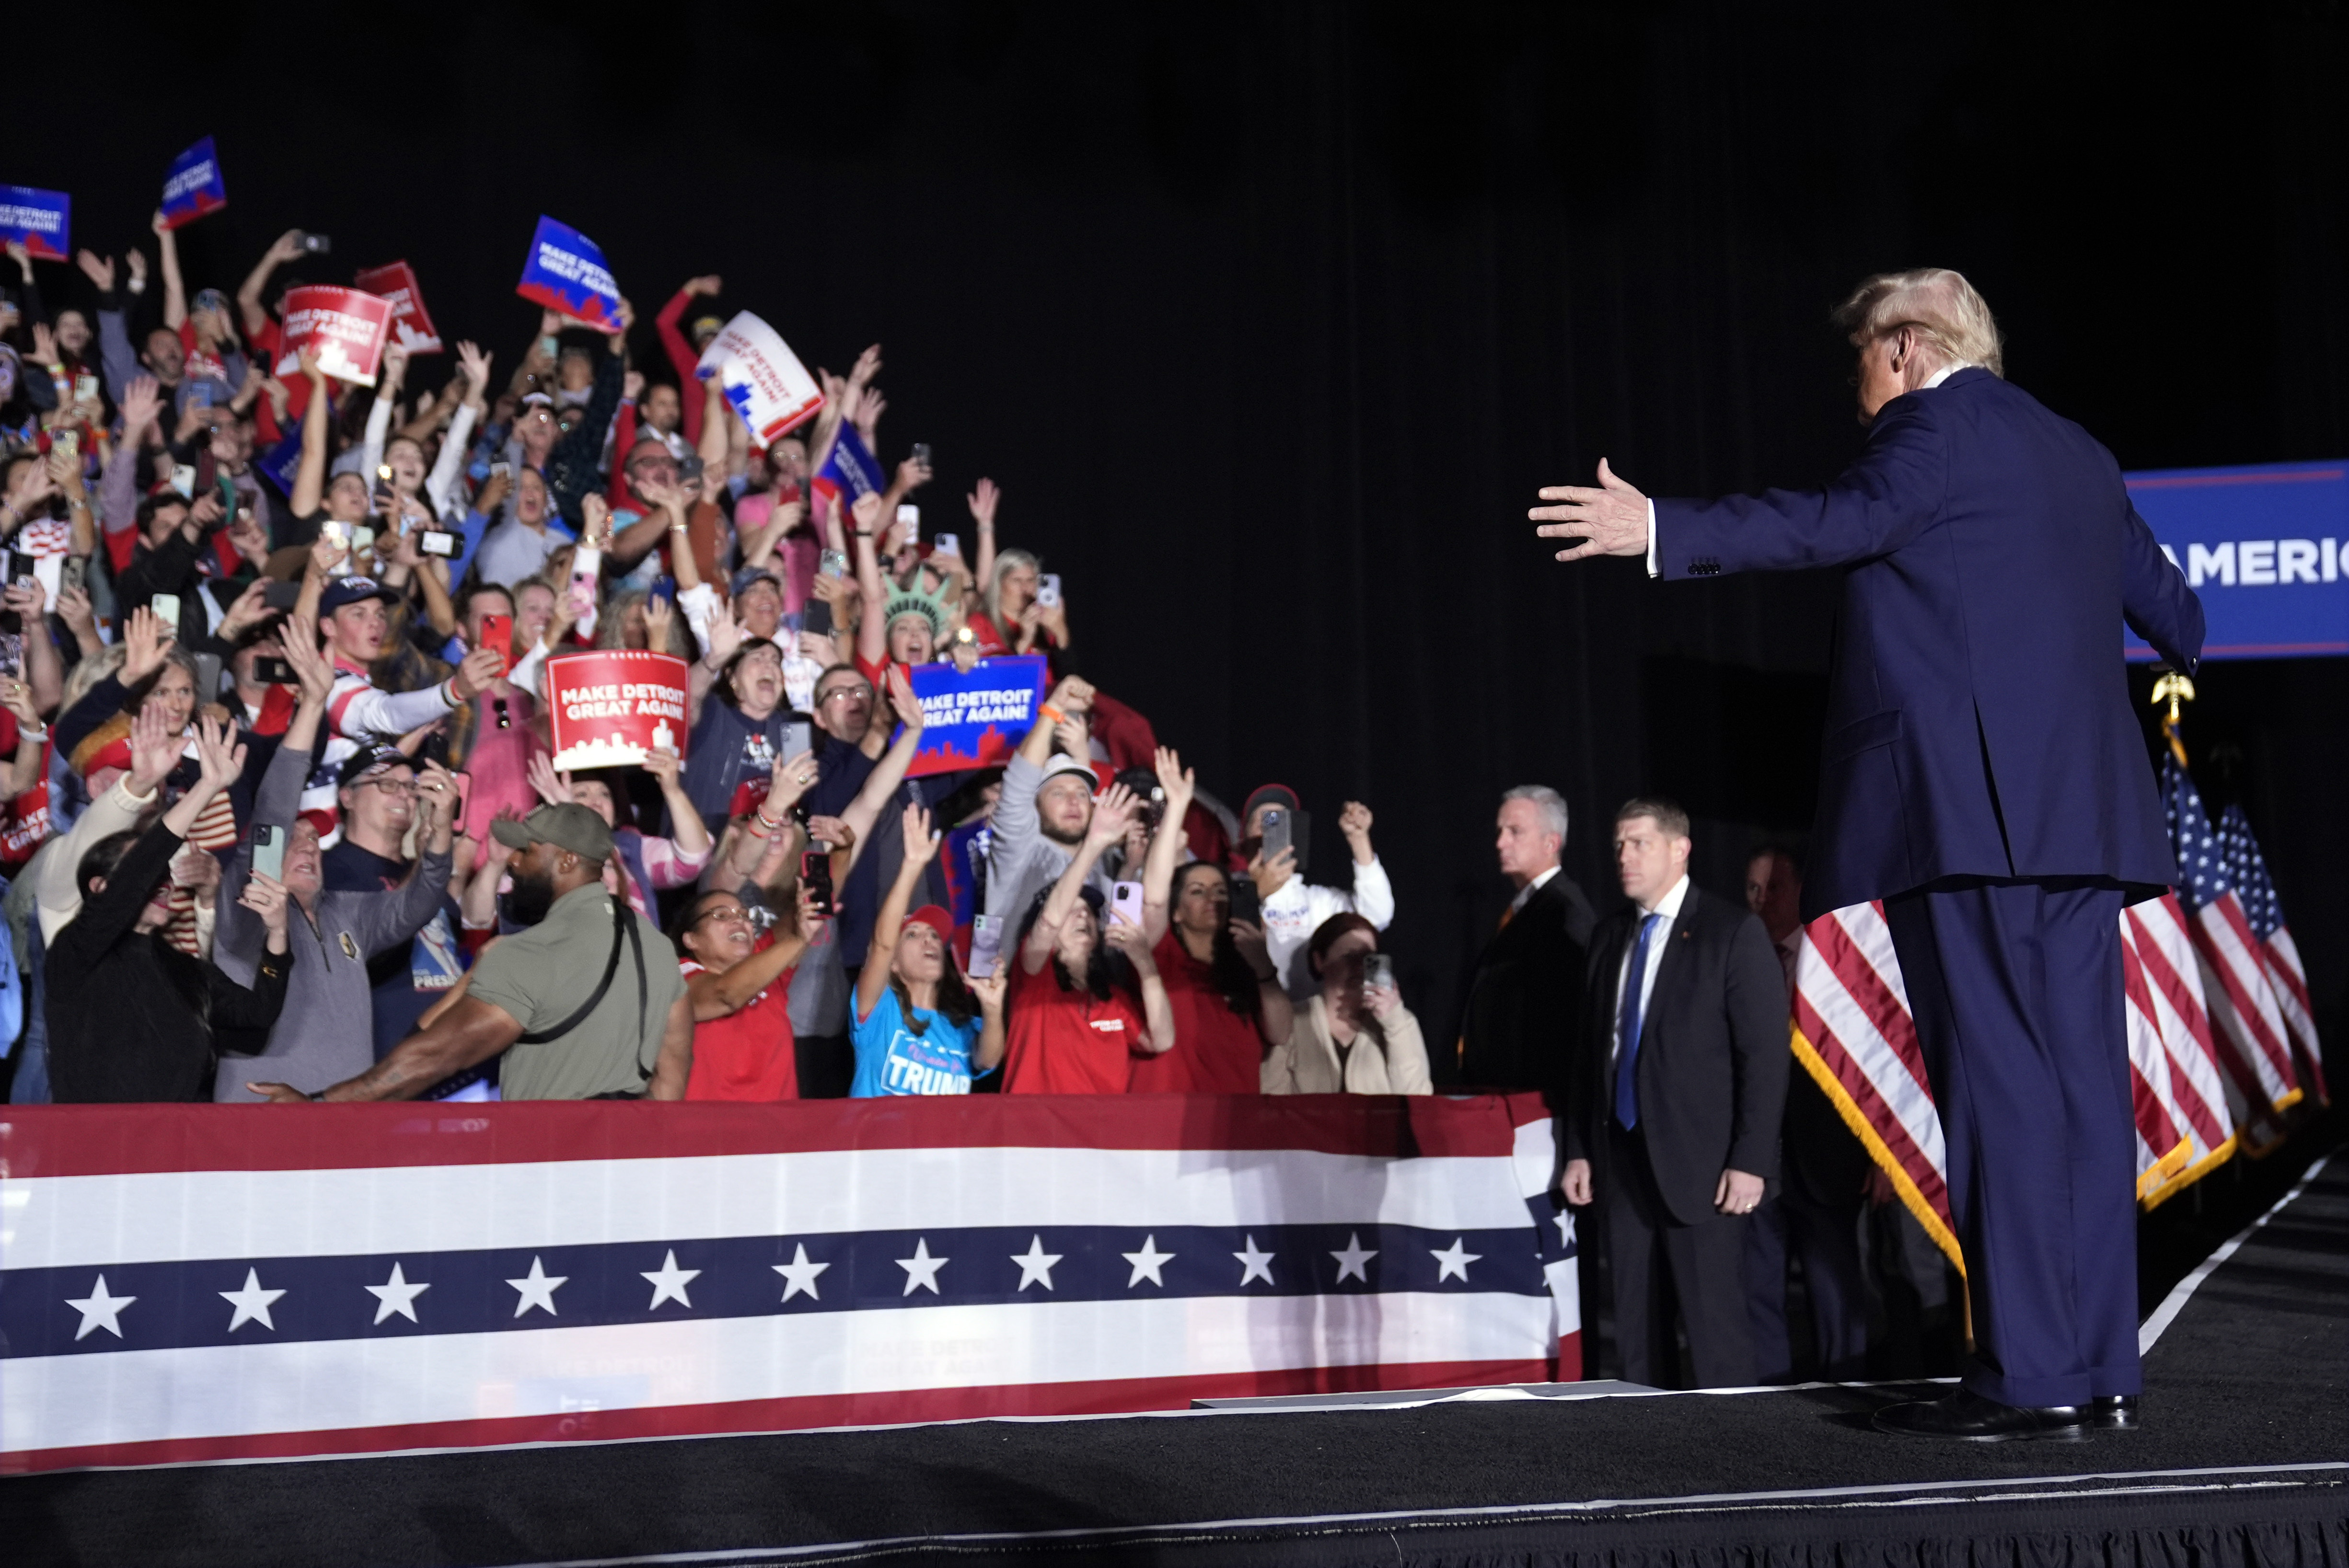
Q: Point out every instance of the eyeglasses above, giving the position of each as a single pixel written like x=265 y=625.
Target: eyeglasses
x=837 y=693
x=391 y=786
x=732 y=911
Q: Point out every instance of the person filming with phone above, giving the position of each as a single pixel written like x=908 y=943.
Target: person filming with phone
x=318 y=1040
x=1355 y=1036
x=1272 y=846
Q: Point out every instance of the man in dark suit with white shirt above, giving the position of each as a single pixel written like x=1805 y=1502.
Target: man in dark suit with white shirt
x=1675 y=1123
x=1524 y=1011
x=1981 y=774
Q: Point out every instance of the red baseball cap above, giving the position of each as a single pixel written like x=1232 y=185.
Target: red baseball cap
x=937 y=919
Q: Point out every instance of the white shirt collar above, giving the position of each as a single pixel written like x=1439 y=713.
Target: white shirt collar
x=1531 y=888
x=1946 y=371
x=1669 y=906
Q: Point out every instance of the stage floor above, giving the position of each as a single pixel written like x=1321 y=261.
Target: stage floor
x=2243 y=1458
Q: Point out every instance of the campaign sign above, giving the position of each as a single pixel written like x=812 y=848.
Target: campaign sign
x=850 y=468
x=344 y=329
x=565 y=272
x=763 y=379
x=40 y=220
x=611 y=706
x=975 y=721
x=2267 y=550
x=410 y=327
x=194 y=187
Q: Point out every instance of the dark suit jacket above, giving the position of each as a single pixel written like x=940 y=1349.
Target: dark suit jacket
x=1714 y=1053
x=1524 y=1001
x=1978 y=717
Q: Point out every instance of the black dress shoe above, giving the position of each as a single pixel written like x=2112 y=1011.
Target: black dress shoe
x=1970 y=1417
x=2114 y=1412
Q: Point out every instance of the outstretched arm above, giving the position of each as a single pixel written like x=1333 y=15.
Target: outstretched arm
x=465 y=1035
x=920 y=846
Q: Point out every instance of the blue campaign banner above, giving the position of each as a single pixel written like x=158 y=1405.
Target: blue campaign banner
x=977 y=719
x=850 y=468
x=565 y=272
x=40 y=220
x=2263 y=546
x=193 y=186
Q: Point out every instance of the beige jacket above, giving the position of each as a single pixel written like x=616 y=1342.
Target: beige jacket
x=1386 y=1058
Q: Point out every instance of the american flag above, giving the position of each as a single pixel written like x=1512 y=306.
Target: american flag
x=2246 y=1024
x=2247 y=868
x=2172 y=1059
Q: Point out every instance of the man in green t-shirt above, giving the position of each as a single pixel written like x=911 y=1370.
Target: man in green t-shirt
x=580 y=1009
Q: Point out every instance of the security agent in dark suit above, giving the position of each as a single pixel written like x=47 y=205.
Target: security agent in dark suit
x=1814 y=1216
x=1524 y=1001
x=1982 y=775
x=1675 y=1126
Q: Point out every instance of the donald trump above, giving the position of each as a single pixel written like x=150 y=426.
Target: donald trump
x=1982 y=775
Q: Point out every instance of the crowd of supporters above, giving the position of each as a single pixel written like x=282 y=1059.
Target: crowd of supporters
x=282 y=818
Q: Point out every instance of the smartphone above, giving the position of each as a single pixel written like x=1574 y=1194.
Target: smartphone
x=274 y=672
x=948 y=544
x=815 y=875
x=199 y=394
x=269 y=850
x=167 y=610
x=1048 y=590
x=909 y=517
x=1126 y=904
x=689 y=467
x=833 y=563
x=362 y=539
x=922 y=453
x=317 y=245
x=464 y=782
x=67 y=441
x=799 y=739
x=816 y=615
x=84 y=388
x=184 y=481
x=49 y=572
x=281 y=596
x=1377 y=971
x=986 y=945
x=382 y=481
x=1276 y=833
x=500 y=469
x=438 y=541
x=497 y=632
x=586 y=570
x=1246 y=904
x=75 y=574
x=335 y=531
x=208 y=675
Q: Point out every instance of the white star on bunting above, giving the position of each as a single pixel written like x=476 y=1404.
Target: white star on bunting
x=537 y=1289
x=1255 y=1264
x=99 y=1310
x=1036 y=1267
x=252 y=1303
x=922 y=1269
x=396 y=1295
x=799 y=1274
x=1453 y=1263
x=1355 y=1259
x=1147 y=1263
x=669 y=1281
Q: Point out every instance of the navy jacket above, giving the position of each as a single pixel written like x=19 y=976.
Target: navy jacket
x=1978 y=718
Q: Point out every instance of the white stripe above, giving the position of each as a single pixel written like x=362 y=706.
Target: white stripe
x=2192 y=1053
x=2175 y=1302
x=1910 y=1102
x=175 y=1216
x=133 y=1396
x=2253 y=980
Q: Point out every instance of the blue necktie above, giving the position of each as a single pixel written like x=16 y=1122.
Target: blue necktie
x=1627 y=1063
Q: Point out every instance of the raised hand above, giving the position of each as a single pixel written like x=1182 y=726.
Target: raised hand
x=1611 y=519
x=725 y=642
x=17 y=698
x=1180 y=783
x=982 y=501
x=44 y=344
x=595 y=518
x=393 y=370
x=482 y=668
x=990 y=989
x=265 y=896
x=475 y=366
x=791 y=779
x=1072 y=696
x=552 y=788
x=902 y=698
x=76 y=611
x=143 y=640
x=921 y=845
x=869 y=365
x=1354 y=821
x=1116 y=808
x=913 y=474
x=1271 y=876
x=217 y=760
x=154 y=748
x=708 y=284
x=662 y=763
x=99 y=269
x=312 y=668
x=435 y=792
x=287 y=247
x=659 y=616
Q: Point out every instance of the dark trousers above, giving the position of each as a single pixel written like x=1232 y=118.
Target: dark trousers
x=2016 y=990
x=1662 y=1270
x=1825 y=1237
x=826 y=1065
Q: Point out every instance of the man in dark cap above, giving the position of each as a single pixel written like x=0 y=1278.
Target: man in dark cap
x=586 y=1003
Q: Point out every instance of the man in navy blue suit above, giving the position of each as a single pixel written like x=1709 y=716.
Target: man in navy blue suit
x=1983 y=775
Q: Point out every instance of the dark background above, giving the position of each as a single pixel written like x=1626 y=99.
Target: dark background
x=1270 y=320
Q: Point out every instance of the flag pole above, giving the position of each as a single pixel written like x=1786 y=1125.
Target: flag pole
x=2173 y=689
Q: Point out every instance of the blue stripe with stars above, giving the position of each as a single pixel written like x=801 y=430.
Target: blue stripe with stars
x=182 y=1305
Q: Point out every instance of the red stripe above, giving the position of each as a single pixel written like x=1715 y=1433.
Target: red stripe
x=2300 y=1027
x=1875 y=997
x=1106 y=1396
x=1872 y=1105
x=2230 y=908
x=2209 y=1120
x=2154 y=1127
x=2235 y=1053
x=103 y=1140
x=2198 y=482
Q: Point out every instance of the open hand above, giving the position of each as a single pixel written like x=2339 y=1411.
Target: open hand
x=1611 y=519
x=921 y=845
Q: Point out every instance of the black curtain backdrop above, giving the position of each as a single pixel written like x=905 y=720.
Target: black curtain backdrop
x=1269 y=320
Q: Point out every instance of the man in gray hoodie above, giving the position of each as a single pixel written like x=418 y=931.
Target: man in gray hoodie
x=324 y=1033
x=1046 y=806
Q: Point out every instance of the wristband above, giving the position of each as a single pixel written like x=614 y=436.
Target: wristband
x=755 y=830
x=1050 y=714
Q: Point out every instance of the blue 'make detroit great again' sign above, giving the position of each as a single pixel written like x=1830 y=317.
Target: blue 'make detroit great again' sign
x=2267 y=548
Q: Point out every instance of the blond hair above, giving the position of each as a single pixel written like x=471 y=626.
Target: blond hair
x=1943 y=309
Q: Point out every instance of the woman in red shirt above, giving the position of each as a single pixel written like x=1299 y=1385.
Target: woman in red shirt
x=1222 y=989
x=742 y=1043
x=1085 y=999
